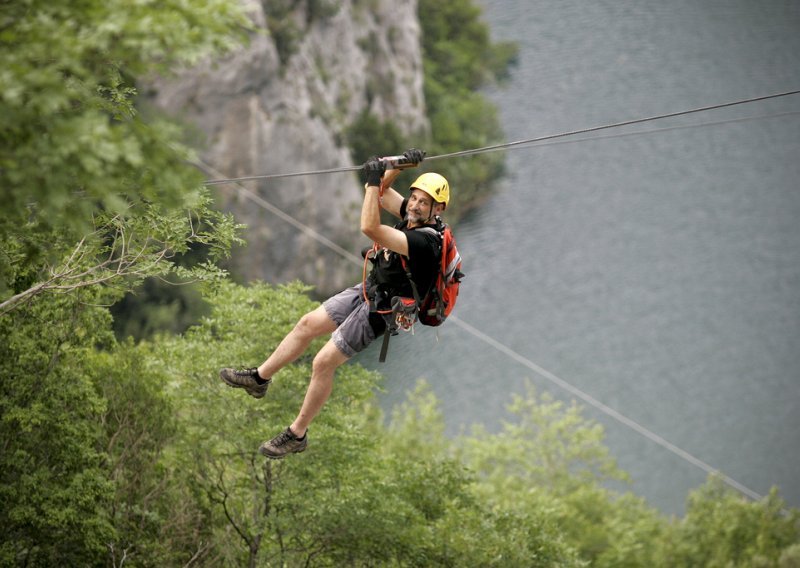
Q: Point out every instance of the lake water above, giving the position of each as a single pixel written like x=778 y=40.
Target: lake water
x=658 y=273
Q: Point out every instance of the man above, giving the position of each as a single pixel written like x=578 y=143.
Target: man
x=354 y=317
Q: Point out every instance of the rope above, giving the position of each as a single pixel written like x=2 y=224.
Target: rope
x=496 y=147
x=294 y=174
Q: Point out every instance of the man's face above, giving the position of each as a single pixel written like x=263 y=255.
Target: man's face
x=419 y=207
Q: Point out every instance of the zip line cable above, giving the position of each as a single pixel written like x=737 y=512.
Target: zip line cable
x=294 y=174
x=496 y=147
x=264 y=204
x=605 y=409
x=654 y=130
x=614 y=125
x=499 y=346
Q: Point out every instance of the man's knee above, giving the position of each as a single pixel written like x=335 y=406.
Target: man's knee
x=315 y=323
x=328 y=359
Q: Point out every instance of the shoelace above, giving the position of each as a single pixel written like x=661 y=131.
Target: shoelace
x=283 y=438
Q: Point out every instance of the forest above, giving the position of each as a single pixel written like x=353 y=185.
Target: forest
x=121 y=451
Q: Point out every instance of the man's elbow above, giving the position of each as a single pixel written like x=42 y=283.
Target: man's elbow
x=370 y=230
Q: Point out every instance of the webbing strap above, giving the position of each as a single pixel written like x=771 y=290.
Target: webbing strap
x=385 y=345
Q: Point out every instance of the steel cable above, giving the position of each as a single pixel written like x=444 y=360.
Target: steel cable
x=528 y=141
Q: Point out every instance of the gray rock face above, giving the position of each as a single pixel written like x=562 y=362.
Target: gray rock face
x=263 y=110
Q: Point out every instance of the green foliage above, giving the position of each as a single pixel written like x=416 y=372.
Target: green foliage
x=456 y=41
x=282 y=27
x=287 y=27
x=369 y=136
x=75 y=157
x=553 y=458
x=156 y=520
x=125 y=249
x=157 y=307
x=721 y=528
x=137 y=454
x=462 y=526
x=360 y=495
x=54 y=494
x=550 y=447
x=293 y=510
x=459 y=59
x=84 y=428
x=320 y=10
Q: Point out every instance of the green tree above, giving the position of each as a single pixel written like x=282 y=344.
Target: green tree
x=554 y=458
x=292 y=512
x=459 y=59
x=462 y=527
x=721 y=528
x=156 y=518
x=54 y=492
x=92 y=193
x=360 y=495
x=86 y=429
x=94 y=200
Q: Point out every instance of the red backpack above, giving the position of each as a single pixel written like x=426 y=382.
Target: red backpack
x=441 y=298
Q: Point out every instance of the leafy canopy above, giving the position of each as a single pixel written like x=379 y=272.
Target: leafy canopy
x=76 y=159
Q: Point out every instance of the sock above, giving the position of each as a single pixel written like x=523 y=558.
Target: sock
x=258 y=378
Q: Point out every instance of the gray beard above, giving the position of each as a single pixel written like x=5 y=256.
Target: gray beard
x=408 y=219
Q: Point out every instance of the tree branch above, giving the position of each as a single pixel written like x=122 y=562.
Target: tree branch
x=121 y=262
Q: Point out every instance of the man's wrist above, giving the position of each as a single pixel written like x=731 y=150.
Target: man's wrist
x=374 y=169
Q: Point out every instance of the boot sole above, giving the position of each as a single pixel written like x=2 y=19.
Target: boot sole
x=266 y=455
x=247 y=389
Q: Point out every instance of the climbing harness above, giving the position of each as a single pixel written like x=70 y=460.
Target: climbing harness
x=402 y=313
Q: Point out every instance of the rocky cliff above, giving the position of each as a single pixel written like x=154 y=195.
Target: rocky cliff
x=282 y=104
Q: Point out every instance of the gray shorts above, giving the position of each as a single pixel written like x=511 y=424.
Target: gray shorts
x=350 y=312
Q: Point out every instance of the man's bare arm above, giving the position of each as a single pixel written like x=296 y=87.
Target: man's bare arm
x=371 y=226
x=391 y=200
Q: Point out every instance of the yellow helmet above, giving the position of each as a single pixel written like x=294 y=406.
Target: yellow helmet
x=434 y=185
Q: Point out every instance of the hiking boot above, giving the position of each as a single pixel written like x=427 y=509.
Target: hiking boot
x=284 y=444
x=246 y=379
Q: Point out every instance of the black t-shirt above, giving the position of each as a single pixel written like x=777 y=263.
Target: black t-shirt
x=389 y=276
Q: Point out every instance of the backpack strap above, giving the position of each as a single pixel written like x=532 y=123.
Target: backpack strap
x=431 y=231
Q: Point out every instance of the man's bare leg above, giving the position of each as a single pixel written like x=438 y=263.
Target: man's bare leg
x=319 y=389
x=294 y=439
x=312 y=325
x=256 y=381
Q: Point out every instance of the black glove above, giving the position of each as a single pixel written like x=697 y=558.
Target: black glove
x=414 y=156
x=374 y=169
